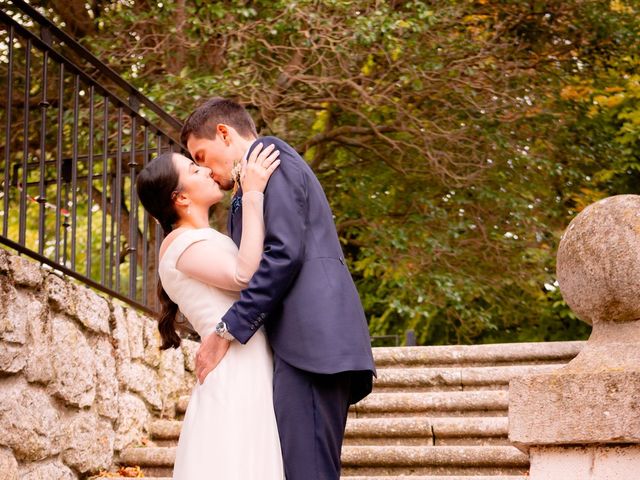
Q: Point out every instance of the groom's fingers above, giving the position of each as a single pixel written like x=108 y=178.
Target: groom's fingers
x=203 y=370
x=202 y=374
x=211 y=351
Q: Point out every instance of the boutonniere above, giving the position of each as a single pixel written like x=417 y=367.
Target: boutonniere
x=236 y=203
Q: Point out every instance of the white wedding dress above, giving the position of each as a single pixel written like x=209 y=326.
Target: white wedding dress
x=229 y=431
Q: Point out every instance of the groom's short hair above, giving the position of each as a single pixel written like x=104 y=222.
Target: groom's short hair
x=203 y=120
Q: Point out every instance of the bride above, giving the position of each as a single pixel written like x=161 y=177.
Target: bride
x=229 y=431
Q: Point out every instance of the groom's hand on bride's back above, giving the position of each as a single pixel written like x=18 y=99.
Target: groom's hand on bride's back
x=211 y=352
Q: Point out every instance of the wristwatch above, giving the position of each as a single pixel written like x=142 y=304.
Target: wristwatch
x=223 y=331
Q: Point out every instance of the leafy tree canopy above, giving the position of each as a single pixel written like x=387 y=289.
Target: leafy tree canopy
x=455 y=139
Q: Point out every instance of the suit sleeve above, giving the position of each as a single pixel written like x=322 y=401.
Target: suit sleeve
x=285 y=215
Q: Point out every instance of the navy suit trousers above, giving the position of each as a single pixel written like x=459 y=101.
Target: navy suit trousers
x=311 y=411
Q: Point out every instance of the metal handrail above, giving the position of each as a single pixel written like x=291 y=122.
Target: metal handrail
x=39 y=43
x=47 y=175
x=72 y=150
x=135 y=96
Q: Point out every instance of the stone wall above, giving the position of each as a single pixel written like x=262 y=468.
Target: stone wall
x=80 y=375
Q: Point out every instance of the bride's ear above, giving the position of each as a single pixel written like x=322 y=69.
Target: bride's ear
x=181 y=199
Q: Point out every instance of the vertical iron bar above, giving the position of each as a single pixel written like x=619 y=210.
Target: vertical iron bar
x=158 y=144
x=133 y=213
x=159 y=237
x=74 y=169
x=105 y=169
x=25 y=153
x=145 y=227
x=42 y=200
x=118 y=198
x=112 y=224
x=159 y=234
x=59 y=162
x=90 y=182
x=65 y=223
x=7 y=145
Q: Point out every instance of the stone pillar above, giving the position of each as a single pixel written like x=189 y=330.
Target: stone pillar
x=582 y=421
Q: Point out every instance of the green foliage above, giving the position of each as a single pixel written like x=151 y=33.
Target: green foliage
x=455 y=139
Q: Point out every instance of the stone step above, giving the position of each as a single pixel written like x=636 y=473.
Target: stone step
x=390 y=431
x=435 y=477
x=470 y=431
x=454 y=378
x=420 y=477
x=165 y=429
x=477 y=355
x=453 y=403
x=377 y=460
x=424 y=460
x=438 y=431
x=461 y=456
x=148 y=456
x=441 y=404
x=381 y=459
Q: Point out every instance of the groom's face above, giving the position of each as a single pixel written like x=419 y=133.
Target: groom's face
x=216 y=155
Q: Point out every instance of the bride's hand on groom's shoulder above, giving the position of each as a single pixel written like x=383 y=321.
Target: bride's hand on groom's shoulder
x=211 y=352
x=258 y=167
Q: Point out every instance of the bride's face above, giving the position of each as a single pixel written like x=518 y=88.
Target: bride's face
x=196 y=182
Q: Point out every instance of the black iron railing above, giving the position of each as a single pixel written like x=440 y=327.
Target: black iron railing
x=75 y=134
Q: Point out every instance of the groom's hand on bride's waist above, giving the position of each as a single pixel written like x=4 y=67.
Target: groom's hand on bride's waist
x=211 y=352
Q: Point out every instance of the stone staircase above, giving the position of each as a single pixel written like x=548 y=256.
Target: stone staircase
x=436 y=413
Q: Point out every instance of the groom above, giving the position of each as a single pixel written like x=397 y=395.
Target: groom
x=302 y=293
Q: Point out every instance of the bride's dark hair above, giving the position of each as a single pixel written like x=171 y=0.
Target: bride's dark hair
x=156 y=184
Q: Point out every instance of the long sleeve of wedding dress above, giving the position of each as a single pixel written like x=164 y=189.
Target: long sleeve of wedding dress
x=223 y=269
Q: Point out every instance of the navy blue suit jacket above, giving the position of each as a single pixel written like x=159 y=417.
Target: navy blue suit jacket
x=302 y=291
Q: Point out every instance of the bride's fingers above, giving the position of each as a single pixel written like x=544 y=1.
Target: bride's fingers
x=255 y=152
x=272 y=167
x=265 y=154
x=270 y=159
x=243 y=167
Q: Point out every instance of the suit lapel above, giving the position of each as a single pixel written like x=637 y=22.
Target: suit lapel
x=235 y=217
x=230 y=223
